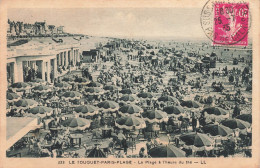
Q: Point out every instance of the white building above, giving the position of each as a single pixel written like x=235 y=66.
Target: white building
x=44 y=55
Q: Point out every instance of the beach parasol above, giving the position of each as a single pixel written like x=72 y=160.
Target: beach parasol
x=41 y=110
x=94 y=84
x=215 y=111
x=155 y=116
x=145 y=95
x=68 y=79
x=111 y=87
x=33 y=84
x=76 y=123
x=96 y=153
x=25 y=103
x=41 y=88
x=197 y=141
x=108 y=106
x=126 y=91
x=40 y=81
x=245 y=117
x=86 y=110
x=129 y=99
x=217 y=129
x=19 y=86
x=162 y=151
x=71 y=95
x=94 y=91
x=168 y=99
x=11 y=97
x=190 y=104
x=81 y=80
x=235 y=123
x=130 y=109
x=130 y=122
x=63 y=85
x=175 y=111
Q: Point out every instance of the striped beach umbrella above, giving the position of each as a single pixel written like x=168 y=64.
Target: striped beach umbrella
x=217 y=129
x=11 y=97
x=37 y=80
x=163 y=151
x=108 y=106
x=215 y=111
x=81 y=80
x=190 y=104
x=25 y=104
x=245 y=117
x=68 y=79
x=130 y=109
x=129 y=99
x=94 y=84
x=155 y=116
x=86 y=110
x=96 y=153
x=168 y=99
x=76 y=123
x=41 y=110
x=63 y=85
x=145 y=95
x=126 y=91
x=94 y=91
x=130 y=122
x=198 y=140
x=19 y=86
x=111 y=88
x=235 y=123
x=175 y=111
x=42 y=88
x=71 y=95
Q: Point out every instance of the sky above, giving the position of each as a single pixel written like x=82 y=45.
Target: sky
x=118 y=22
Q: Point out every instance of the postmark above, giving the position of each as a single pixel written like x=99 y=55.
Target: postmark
x=226 y=23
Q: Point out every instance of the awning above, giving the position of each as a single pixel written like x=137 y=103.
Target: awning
x=17 y=127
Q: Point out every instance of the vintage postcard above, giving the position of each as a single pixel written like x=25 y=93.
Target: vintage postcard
x=126 y=83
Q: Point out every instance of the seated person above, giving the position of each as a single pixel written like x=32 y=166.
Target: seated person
x=149 y=145
x=141 y=153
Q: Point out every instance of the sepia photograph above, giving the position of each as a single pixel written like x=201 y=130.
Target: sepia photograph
x=130 y=82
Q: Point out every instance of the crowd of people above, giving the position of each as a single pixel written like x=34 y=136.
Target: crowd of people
x=138 y=102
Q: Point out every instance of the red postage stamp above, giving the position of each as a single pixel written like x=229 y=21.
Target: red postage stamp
x=230 y=25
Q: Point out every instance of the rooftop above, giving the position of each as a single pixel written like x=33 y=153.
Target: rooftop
x=48 y=46
x=39 y=46
x=15 y=124
x=17 y=127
